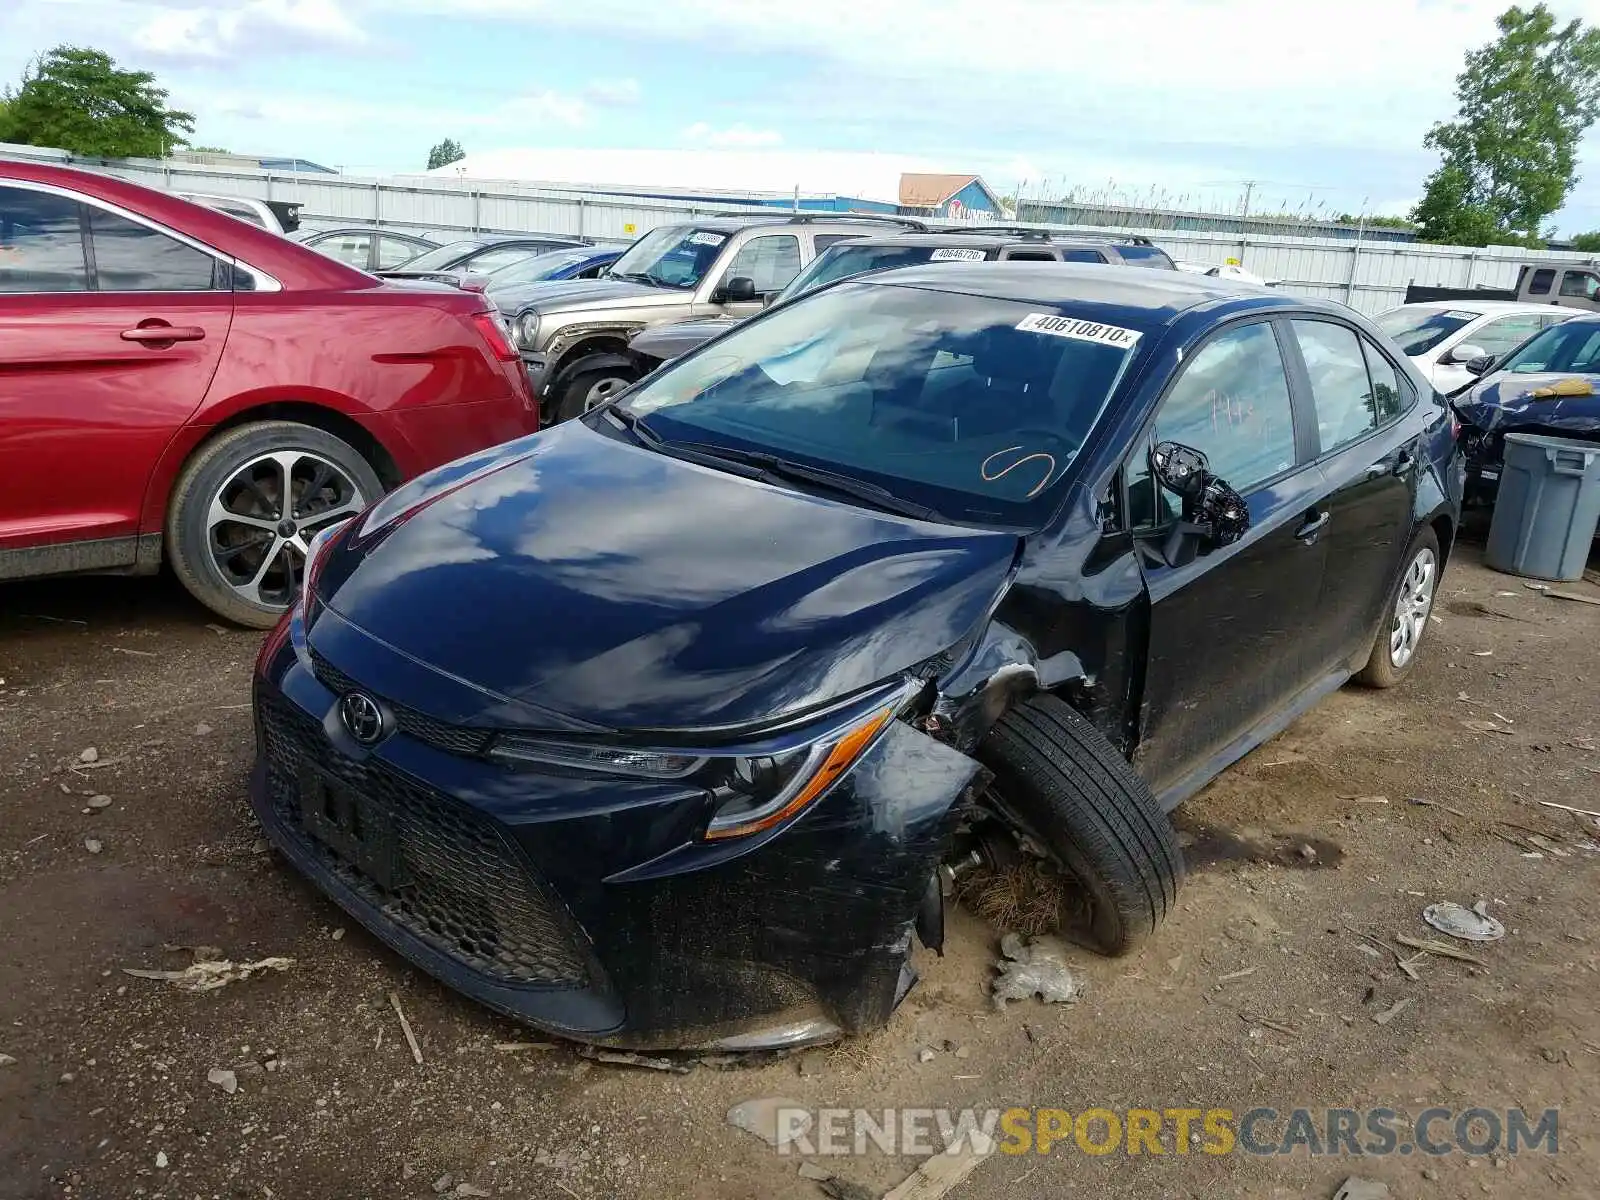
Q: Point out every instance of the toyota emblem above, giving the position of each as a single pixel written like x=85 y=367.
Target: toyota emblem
x=362 y=717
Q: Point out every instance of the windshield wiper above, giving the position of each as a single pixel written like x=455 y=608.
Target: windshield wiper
x=773 y=467
x=634 y=424
x=635 y=277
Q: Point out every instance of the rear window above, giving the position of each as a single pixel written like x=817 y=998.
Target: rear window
x=445 y=256
x=1146 y=256
x=1418 y=330
x=840 y=261
x=973 y=406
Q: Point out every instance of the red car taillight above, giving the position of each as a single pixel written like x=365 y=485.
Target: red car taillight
x=495 y=334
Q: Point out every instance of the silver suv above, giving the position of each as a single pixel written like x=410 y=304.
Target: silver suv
x=573 y=336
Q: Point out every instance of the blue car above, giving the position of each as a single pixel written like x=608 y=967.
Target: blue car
x=655 y=729
x=1550 y=384
x=581 y=262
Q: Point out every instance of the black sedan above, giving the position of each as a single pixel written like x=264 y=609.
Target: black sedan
x=653 y=729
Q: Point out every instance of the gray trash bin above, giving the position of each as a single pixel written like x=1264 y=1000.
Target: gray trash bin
x=1547 y=509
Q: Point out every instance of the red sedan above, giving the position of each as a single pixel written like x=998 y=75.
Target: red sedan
x=178 y=385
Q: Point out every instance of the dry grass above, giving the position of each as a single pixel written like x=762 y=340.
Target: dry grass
x=1030 y=898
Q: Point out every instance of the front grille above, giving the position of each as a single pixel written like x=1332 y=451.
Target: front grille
x=462 y=887
x=452 y=739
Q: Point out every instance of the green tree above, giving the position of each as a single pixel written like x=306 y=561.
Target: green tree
x=445 y=153
x=77 y=100
x=1589 y=243
x=1510 y=156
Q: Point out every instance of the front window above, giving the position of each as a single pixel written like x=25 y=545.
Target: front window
x=675 y=256
x=1573 y=346
x=972 y=406
x=1418 y=330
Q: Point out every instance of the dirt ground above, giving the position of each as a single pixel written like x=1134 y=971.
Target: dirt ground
x=1258 y=992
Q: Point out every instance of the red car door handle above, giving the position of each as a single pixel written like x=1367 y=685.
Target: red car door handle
x=164 y=333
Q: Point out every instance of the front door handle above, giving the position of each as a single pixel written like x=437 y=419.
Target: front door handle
x=163 y=333
x=1313 y=526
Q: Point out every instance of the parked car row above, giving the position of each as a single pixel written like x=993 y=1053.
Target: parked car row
x=935 y=546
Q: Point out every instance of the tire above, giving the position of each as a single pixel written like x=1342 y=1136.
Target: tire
x=1382 y=671
x=222 y=538
x=577 y=394
x=1059 y=779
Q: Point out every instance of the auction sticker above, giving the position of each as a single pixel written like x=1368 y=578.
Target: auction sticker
x=952 y=254
x=701 y=238
x=1082 y=331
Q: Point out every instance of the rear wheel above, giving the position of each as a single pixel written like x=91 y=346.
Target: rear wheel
x=247 y=505
x=1059 y=781
x=590 y=389
x=1394 y=650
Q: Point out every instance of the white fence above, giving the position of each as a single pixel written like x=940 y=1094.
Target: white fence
x=1369 y=276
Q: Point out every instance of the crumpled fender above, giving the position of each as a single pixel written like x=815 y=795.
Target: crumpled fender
x=1549 y=402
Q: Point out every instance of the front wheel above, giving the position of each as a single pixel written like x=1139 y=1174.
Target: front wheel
x=1394 y=650
x=587 y=389
x=1059 y=780
x=248 y=504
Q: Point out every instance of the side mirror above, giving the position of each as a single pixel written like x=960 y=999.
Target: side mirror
x=1213 y=513
x=1180 y=469
x=1479 y=365
x=1465 y=353
x=741 y=289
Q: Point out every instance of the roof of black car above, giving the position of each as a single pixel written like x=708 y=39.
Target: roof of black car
x=1160 y=294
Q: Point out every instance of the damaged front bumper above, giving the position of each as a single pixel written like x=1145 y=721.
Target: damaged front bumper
x=588 y=906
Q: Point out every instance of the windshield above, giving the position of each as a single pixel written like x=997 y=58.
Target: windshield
x=677 y=256
x=444 y=256
x=849 y=259
x=1418 y=330
x=971 y=406
x=1571 y=346
x=540 y=266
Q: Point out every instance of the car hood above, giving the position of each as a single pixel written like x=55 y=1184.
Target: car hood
x=552 y=295
x=609 y=586
x=1507 y=402
x=667 y=342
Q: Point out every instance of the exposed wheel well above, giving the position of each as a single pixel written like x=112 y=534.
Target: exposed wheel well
x=603 y=343
x=1444 y=529
x=329 y=421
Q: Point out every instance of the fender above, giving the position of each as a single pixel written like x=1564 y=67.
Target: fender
x=574 y=361
x=153 y=513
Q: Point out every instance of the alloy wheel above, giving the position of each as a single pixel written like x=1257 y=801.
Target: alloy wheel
x=1412 y=606
x=263 y=518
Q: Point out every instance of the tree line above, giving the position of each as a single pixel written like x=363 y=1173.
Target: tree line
x=1508 y=161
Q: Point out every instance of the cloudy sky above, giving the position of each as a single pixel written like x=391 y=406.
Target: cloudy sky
x=1182 y=100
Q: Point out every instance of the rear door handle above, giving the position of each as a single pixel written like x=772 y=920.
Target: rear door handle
x=164 y=333
x=1313 y=526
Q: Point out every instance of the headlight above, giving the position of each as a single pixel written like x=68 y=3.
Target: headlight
x=752 y=792
x=316 y=549
x=527 y=330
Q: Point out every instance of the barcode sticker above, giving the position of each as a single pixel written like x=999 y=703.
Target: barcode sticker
x=1082 y=331
x=702 y=238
